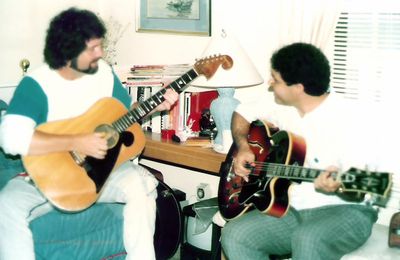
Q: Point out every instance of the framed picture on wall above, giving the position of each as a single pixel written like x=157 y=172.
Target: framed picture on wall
x=190 y=17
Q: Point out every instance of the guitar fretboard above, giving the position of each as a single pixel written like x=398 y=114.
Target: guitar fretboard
x=356 y=180
x=291 y=171
x=145 y=107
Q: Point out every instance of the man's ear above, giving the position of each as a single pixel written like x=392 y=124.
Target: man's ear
x=299 y=87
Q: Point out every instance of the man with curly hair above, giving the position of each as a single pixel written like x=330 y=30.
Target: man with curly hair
x=319 y=224
x=72 y=80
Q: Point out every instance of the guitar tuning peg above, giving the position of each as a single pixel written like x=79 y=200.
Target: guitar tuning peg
x=370 y=199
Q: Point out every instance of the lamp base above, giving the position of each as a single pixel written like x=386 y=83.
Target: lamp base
x=227 y=141
x=219 y=148
x=222 y=109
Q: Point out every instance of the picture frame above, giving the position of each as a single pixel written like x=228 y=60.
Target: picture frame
x=187 y=17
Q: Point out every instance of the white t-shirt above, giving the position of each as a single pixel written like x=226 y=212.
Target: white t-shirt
x=335 y=134
x=48 y=95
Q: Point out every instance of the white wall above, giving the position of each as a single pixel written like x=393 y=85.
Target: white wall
x=23 y=29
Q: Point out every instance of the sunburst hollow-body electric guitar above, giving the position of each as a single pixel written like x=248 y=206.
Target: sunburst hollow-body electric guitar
x=72 y=182
x=279 y=159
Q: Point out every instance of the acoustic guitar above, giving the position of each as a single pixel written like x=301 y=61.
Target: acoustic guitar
x=72 y=182
x=279 y=159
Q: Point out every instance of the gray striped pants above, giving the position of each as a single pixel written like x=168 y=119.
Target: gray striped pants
x=327 y=232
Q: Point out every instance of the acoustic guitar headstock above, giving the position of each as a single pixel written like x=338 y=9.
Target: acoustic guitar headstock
x=208 y=66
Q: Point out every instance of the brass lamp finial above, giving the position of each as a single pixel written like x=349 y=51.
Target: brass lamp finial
x=24 y=65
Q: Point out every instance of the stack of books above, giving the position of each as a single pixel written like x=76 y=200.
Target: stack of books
x=143 y=81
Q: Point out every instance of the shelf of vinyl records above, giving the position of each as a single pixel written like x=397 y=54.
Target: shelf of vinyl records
x=143 y=81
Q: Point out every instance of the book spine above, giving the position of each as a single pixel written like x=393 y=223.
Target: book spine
x=147 y=121
x=165 y=120
x=140 y=94
x=186 y=112
x=155 y=117
x=144 y=83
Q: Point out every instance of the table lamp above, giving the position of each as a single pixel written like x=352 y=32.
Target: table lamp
x=242 y=74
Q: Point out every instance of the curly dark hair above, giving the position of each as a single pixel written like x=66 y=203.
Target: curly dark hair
x=303 y=63
x=68 y=33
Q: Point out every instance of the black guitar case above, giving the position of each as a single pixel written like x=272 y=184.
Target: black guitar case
x=168 y=232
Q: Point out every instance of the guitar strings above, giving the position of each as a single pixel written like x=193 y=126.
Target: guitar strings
x=288 y=171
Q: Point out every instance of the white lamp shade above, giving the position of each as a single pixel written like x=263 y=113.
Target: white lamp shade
x=243 y=72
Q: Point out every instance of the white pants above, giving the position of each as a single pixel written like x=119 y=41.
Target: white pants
x=21 y=202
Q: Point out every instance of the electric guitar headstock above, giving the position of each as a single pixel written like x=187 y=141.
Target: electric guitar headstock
x=356 y=183
x=208 y=66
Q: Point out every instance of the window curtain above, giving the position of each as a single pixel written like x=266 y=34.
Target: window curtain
x=310 y=21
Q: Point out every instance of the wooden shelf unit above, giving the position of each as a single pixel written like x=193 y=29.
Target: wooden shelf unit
x=195 y=158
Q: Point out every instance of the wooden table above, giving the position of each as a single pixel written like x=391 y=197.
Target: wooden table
x=178 y=154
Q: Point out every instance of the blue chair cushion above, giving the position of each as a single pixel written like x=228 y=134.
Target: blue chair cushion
x=95 y=233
